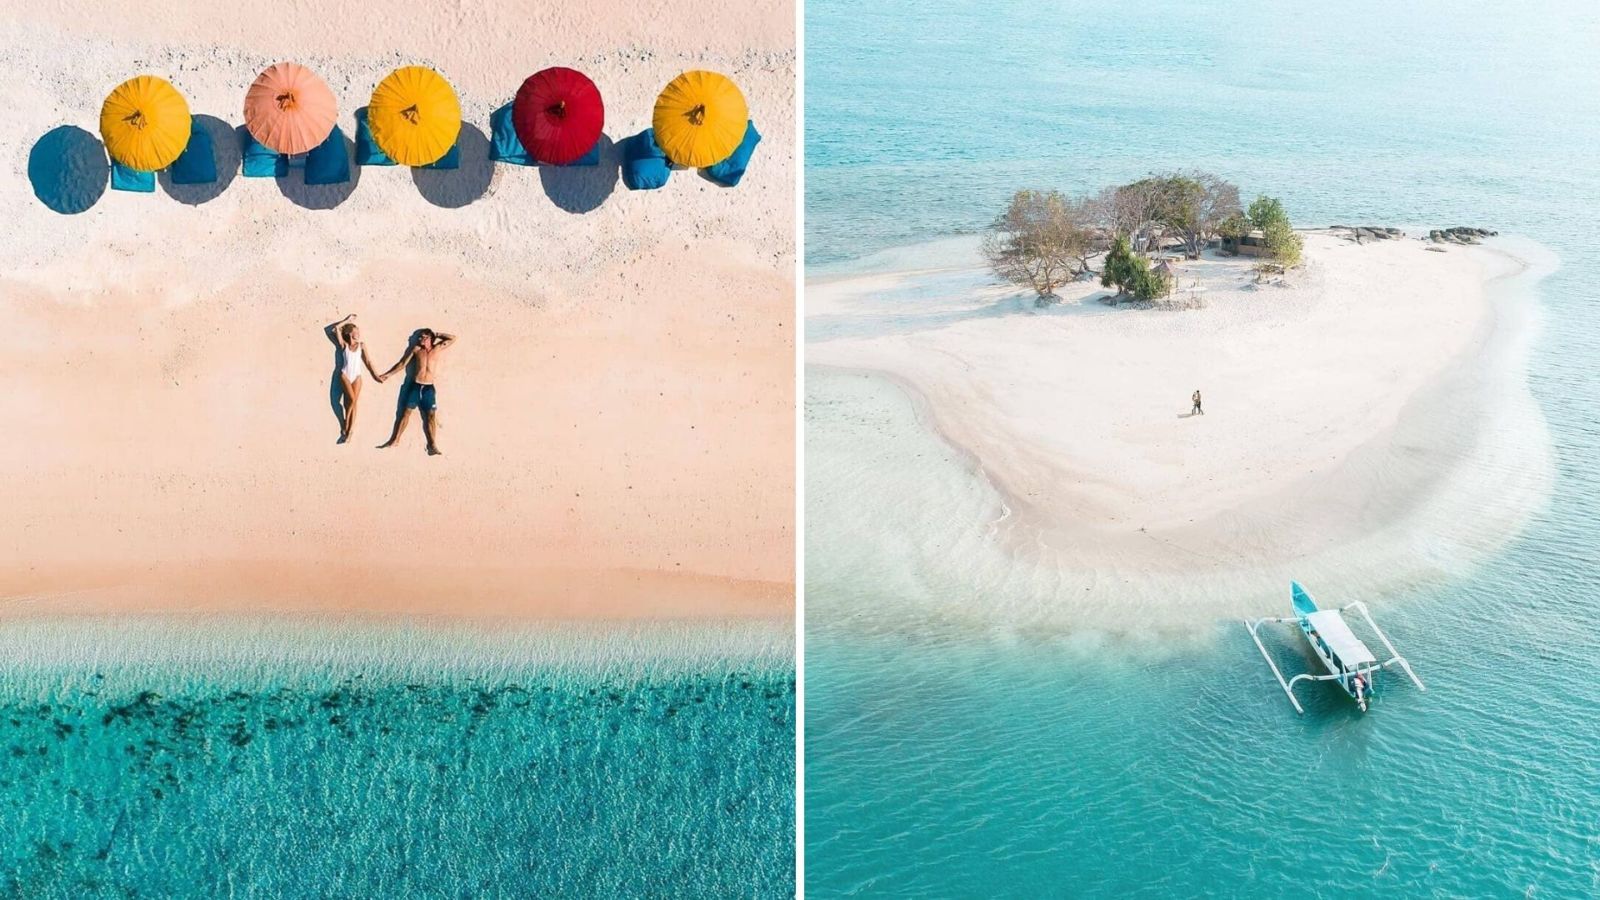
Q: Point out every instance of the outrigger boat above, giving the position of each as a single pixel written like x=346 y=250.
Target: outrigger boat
x=1346 y=659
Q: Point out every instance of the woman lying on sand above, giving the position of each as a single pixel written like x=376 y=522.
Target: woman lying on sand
x=349 y=357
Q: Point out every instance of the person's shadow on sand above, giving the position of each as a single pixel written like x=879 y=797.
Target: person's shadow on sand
x=336 y=392
x=335 y=387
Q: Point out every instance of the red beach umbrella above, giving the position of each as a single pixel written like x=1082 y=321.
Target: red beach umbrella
x=558 y=115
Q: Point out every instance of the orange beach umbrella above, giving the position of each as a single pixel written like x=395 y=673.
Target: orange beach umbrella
x=145 y=123
x=414 y=116
x=289 y=108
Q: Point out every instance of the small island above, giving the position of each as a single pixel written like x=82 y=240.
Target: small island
x=1365 y=400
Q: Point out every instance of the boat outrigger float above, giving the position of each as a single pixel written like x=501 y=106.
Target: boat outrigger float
x=1346 y=658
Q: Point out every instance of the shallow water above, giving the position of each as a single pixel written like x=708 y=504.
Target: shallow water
x=331 y=761
x=983 y=754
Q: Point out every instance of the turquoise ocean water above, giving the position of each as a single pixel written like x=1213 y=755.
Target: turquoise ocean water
x=949 y=758
x=230 y=760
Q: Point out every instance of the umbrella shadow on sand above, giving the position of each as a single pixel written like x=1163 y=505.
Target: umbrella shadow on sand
x=321 y=196
x=455 y=188
x=225 y=154
x=581 y=189
x=68 y=169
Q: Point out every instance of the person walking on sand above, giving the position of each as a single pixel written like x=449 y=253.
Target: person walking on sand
x=350 y=355
x=1197 y=411
x=421 y=362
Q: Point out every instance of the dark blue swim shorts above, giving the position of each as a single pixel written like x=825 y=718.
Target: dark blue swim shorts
x=420 y=396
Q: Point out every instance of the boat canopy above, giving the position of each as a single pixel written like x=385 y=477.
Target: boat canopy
x=1340 y=639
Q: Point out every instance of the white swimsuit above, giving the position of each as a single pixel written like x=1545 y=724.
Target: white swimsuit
x=352 y=362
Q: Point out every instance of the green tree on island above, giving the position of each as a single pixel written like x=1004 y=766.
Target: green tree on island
x=1283 y=243
x=1195 y=206
x=1043 y=240
x=1130 y=273
x=1265 y=211
x=1130 y=211
x=1234 y=227
x=1192 y=206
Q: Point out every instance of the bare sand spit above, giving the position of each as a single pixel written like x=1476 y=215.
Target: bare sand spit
x=1368 y=422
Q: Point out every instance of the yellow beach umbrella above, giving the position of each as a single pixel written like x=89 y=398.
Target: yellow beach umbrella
x=145 y=123
x=700 y=119
x=414 y=116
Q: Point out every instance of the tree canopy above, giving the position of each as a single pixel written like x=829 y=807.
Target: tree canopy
x=1192 y=206
x=1284 y=244
x=1234 y=227
x=1042 y=240
x=1045 y=238
x=1266 y=211
x=1205 y=203
x=1130 y=273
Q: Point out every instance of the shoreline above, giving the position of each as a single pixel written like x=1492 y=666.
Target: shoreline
x=175 y=649
x=1422 y=494
x=478 y=594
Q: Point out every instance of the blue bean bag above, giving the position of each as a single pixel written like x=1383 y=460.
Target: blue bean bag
x=197 y=164
x=367 y=152
x=644 y=165
x=728 y=172
x=261 y=161
x=327 y=162
x=504 y=145
x=126 y=179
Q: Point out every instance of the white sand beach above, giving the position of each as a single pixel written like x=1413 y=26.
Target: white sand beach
x=617 y=416
x=1369 y=422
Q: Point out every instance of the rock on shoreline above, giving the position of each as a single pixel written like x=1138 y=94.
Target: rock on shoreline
x=1361 y=233
x=1459 y=234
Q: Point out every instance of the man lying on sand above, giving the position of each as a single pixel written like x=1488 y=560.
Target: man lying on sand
x=421 y=362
